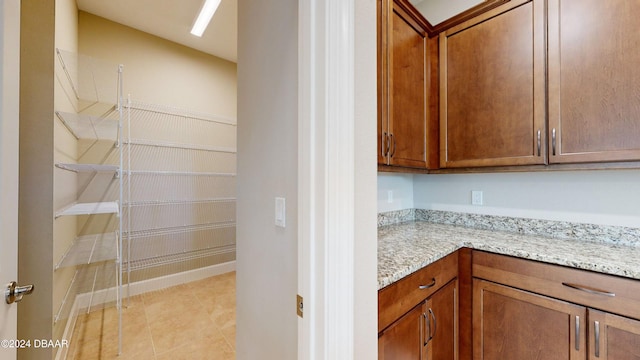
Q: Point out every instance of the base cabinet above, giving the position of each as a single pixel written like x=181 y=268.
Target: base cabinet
x=403 y=339
x=613 y=337
x=428 y=331
x=525 y=309
x=515 y=324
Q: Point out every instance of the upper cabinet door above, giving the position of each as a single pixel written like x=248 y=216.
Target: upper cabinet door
x=407 y=74
x=594 y=80
x=407 y=84
x=492 y=94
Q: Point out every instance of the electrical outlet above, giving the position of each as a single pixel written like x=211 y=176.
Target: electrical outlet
x=389 y=196
x=476 y=197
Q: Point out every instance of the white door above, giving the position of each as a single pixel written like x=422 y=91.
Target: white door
x=9 y=110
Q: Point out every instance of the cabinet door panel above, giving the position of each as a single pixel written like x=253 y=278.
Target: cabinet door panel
x=408 y=90
x=514 y=324
x=619 y=337
x=594 y=77
x=402 y=340
x=492 y=88
x=443 y=306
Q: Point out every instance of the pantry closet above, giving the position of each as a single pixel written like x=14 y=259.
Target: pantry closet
x=145 y=168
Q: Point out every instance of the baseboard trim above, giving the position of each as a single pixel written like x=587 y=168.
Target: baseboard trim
x=110 y=295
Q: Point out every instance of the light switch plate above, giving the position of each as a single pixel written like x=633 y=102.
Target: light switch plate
x=281 y=212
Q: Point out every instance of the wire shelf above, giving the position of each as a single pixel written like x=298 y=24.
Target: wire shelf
x=95 y=208
x=79 y=168
x=90 y=84
x=89 y=249
x=90 y=127
x=179 y=258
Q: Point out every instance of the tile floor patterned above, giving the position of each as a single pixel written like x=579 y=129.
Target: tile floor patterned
x=191 y=321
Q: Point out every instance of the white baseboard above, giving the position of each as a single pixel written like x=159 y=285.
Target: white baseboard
x=101 y=297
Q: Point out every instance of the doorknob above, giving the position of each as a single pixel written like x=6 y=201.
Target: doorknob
x=14 y=293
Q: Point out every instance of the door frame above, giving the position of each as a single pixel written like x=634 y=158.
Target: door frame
x=9 y=166
x=337 y=179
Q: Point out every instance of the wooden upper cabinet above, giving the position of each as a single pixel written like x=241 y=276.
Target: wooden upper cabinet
x=594 y=80
x=404 y=80
x=492 y=88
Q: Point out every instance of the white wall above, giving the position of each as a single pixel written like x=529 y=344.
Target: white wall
x=401 y=188
x=601 y=197
x=266 y=277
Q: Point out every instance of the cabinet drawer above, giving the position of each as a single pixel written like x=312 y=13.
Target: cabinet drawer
x=398 y=298
x=605 y=292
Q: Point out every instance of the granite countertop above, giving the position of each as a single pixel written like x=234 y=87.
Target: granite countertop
x=407 y=247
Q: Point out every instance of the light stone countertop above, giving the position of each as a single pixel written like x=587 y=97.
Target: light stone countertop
x=407 y=247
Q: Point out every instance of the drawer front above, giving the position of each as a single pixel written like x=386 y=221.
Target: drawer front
x=398 y=298
x=601 y=291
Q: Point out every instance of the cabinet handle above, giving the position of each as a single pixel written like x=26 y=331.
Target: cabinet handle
x=588 y=289
x=577 y=333
x=392 y=141
x=596 y=324
x=435 y=325
x=553 y=141
x=423 y=331
x=539 y=141
x=432 y=284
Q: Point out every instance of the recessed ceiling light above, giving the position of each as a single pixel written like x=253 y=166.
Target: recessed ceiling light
x=206 y=13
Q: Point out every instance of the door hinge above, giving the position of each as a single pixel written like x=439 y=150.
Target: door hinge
x=299 y=305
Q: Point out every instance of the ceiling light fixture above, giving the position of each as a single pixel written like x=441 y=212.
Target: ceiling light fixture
x=206 y=13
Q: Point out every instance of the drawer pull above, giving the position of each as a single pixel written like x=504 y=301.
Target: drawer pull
x=432 y=284
x=588 y=289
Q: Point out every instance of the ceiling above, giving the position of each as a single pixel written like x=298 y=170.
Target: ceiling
x=172 y=20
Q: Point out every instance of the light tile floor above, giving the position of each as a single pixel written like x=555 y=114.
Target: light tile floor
x=191 y=321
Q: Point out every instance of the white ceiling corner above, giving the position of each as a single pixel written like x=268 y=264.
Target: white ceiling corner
x=172 y=20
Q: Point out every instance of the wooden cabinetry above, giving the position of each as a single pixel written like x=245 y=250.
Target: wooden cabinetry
x=528 y=310
x=428 y=331
x=492 y=94
x=614 y=337
x=429 y=328
x=407 y=129
x=594 y=96
x=514 y=324
x=404 y=339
